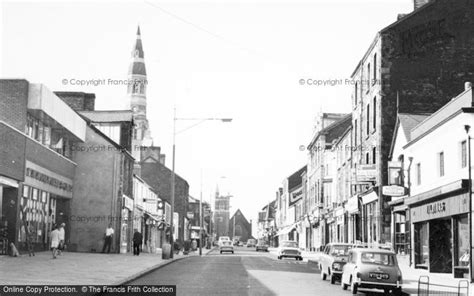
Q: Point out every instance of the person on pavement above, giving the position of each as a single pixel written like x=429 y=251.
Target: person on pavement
x=62 y=235
x=109 y=232
x=137 y=241
x=30 y=233
x=54 y=240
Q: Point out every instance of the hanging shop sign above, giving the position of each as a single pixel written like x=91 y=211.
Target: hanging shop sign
x=366 y=172
x=128 y=202
x=295 y=196
x=369 y=198
x=352 y=205
x=394 y=190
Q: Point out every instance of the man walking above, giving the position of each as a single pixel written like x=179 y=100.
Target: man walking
x=109 y=232
x=137 y=241
x=62 y=236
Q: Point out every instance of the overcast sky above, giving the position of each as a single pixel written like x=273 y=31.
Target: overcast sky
x=238 y=59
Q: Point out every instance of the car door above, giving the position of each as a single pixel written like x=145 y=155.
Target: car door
x=348 y=268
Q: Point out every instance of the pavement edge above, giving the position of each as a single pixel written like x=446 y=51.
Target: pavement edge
x=153 y=268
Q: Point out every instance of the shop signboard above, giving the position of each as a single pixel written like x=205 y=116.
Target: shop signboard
x=366 y=172
x=454 y=205
x=393 y=190
x=372 y=196
x=128 y=202
x=295 y=196
x=352 y=205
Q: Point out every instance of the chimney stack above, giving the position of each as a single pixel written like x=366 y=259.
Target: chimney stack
x=419 y=3
x=467 y=85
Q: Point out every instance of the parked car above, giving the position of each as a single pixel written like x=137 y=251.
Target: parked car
x=372 y=268
x=225 y=245
x=251 y=243
x=289 y=249
x=261 y=246
x=332 y=260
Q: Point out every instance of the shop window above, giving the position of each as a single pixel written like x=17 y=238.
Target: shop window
x=461 y=255
x=421 y=245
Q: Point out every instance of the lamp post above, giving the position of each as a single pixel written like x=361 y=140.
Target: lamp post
x=467 y=128
x=173 y=174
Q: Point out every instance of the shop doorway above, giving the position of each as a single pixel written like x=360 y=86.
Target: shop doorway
x=441 y=246
x=9 y=202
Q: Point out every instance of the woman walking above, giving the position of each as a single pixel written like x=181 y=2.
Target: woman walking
x=54 y=240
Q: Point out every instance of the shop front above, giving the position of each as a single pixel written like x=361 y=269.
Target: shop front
x=44 y=202
x=353 y=223
x=441 y=233
x=340 y=231
x=370 y=218
x=126 y=228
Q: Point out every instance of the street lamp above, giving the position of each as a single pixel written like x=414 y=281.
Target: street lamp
x=173 y=175
x=467 y=128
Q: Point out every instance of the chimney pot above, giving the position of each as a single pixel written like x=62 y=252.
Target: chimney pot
x=467 y=85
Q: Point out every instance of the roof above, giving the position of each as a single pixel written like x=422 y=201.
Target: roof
x=371 y=250
x=108 y=115
x=334 y=130
x=295 y=179
x=409 y=121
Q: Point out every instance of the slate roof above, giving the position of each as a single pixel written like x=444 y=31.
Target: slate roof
x=409 y=121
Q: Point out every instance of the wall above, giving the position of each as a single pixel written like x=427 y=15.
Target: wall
x=13 y=102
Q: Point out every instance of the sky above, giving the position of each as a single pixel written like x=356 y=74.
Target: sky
x=249 y=60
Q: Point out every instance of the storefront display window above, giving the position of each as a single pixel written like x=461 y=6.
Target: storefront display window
x=421 y=245
x=462 y=238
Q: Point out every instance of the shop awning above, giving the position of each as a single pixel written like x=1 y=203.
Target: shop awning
x=286 y=230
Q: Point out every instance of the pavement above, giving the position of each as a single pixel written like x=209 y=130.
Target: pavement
x=439 y=283
x=81 y=268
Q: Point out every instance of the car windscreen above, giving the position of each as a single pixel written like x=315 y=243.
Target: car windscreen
x=340 y=250
x=289 y=245
x=377 y=258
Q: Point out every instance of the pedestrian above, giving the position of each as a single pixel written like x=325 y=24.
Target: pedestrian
x=109 y=232
x=62 y=235
x=137 y=241
x=30 y=234
x=54 y=240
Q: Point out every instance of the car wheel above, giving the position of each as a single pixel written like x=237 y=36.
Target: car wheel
x=221 y=252
x=232 y=252
x=397 y=291
x=323 y=275
x=332 y=279
x=353 y=287
x=279 y=257
x=343 y=286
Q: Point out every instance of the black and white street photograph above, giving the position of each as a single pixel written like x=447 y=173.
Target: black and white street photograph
x=236 y=147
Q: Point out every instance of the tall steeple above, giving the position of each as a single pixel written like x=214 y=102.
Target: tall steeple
x=136 y=93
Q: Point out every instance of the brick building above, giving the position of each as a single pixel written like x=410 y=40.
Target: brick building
x=37 y=169
x=240 y=227
x=415 y=65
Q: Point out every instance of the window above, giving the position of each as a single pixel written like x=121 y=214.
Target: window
x=441 y=163
x=367 y=157
x=374 y=78
x=355 y=133
x=463 y=154
x=368 y=77
x=418 y=173
x=374 y=155
x=368 y=119
x=374 y=122
x=356 y=87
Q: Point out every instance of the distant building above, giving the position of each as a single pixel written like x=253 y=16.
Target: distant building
x=221 y=215
x=240 y=227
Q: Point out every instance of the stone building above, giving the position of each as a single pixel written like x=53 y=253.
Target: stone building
x=240 y=227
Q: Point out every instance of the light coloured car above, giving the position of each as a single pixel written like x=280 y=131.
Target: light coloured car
x=373 y=269
x=261 y=246
x=225 y=245
x=289 y=249
x=251 y=243
x=332 y=260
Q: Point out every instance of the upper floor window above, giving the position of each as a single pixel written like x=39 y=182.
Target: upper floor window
x=356 y=89
x=441 y=163
x=355 y=132
x=368 y=119
x=418 y=173
x=368 y=76
x=374 y=112
x=374 y=155
x=463 y=154
x=374 y=78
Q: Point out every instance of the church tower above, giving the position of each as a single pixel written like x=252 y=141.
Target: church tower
x=136 y=93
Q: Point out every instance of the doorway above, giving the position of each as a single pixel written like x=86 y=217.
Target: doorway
x=441 y=246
